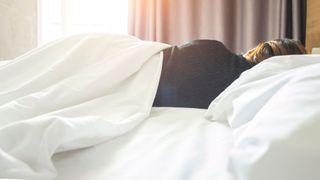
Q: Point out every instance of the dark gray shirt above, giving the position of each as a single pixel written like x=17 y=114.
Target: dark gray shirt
x=194 y=74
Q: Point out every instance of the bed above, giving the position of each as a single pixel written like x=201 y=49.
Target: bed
x=79 y=112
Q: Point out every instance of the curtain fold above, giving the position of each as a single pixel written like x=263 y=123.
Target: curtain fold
x=239 y=24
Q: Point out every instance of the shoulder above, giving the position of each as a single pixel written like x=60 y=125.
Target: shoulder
x=204 y=42
x=205 y=46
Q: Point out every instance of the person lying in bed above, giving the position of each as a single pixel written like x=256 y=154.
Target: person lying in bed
x=195 y=73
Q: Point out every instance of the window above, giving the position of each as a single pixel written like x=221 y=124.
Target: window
x=58 y=18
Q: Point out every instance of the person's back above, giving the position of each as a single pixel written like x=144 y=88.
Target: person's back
x=195 y=73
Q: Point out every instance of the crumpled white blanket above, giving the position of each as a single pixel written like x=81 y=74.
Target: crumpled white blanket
x=73 y=93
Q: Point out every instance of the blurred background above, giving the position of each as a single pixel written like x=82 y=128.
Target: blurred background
x=239 y=24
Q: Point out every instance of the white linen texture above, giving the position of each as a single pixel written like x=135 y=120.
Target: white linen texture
x=274 y=111
x=73 y=93
x=173 y=144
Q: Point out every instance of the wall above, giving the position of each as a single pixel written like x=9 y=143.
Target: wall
x=313 y=24
x=18 y=32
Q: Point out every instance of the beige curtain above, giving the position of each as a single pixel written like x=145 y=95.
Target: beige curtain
x=239 y=24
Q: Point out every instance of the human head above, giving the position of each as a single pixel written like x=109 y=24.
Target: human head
x=275 y=47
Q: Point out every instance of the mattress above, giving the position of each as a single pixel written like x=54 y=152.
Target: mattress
x=173 y=143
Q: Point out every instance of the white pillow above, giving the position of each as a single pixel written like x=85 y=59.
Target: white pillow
x=274 y=110
x=245 y=97
x=281 y=142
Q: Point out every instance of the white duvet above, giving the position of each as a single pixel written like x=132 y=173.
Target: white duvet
x=73 y=93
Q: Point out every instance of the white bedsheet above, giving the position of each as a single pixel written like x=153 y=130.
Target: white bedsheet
x=172 y=144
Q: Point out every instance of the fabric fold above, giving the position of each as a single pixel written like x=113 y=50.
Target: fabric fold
x=73 y=93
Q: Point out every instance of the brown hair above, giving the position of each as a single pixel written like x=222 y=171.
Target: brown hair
x=275 y=47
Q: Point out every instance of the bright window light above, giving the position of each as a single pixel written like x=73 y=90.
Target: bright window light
x=58 y=18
